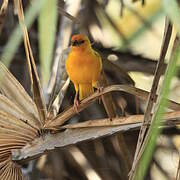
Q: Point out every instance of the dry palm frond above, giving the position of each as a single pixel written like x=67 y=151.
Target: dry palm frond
x=19 y=122
x=133 y=119
x=78 y=132
x=20 y=116
x=22 y=119
x=10 y=170
x=70 y=112
x=35 y=82
x=19 y=125
x=3 y=10
x=60 y=79
x=16 y=96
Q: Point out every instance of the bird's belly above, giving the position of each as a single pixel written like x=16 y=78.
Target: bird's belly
x=81 y=75
x=82 y=72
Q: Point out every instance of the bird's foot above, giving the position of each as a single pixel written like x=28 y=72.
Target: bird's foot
x=100 y=89
x=76 y=105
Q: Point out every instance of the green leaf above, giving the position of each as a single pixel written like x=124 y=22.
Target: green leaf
x=47 y=33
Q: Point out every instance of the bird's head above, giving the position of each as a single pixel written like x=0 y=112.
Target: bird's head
x=80 y=41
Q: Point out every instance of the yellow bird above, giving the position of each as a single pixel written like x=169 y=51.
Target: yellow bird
x=83 y=66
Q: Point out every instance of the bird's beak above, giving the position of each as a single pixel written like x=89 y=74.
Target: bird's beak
x=74 y=43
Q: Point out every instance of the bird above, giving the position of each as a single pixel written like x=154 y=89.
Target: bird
x=83 y=66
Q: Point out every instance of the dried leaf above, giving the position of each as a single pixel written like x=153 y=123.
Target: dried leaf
x=14 y=134
x=3 y=10
x=111 y=111
x=66 y=115
x=10 y=107
x=35 y=82
x=68 y=137
x=58 y=100
x=60 y=79
x=64 y=13
x=19 y=122
x=107 y=98
x=9 y=122
x=10 y=171
x=72 y=136
x=16 y=94
x=117 y=121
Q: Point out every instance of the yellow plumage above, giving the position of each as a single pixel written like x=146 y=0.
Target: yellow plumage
x=83 y=66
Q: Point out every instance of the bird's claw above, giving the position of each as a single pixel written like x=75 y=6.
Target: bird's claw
x=100 y=89
x=76 y=105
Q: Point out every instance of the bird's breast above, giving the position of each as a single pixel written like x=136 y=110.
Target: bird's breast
x=83 y=68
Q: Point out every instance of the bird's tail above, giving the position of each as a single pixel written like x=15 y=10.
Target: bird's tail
x=85 y=90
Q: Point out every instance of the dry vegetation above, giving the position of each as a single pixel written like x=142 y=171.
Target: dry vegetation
x=42 y=136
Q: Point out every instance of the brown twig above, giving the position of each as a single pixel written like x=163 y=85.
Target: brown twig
x=117 y=121
x=77 y=134
x=35 y=82
x=111 y=111
x=3 y=10
x=107 y=98
x=70 y=112
x=64 y=13
x=178 y=170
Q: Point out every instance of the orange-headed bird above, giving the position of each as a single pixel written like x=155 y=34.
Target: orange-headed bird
x=83 y=66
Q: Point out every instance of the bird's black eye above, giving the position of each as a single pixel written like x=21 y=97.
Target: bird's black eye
x=77 y=43
x=81 y=42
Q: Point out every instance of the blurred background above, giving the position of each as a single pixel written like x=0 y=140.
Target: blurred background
x=128 y=36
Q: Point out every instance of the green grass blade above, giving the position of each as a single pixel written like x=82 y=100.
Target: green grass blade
x=157 y=119
x=47 y=22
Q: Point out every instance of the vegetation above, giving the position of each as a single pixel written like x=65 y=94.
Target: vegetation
x=129 y=130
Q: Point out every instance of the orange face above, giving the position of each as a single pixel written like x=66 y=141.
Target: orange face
x=79 y=41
